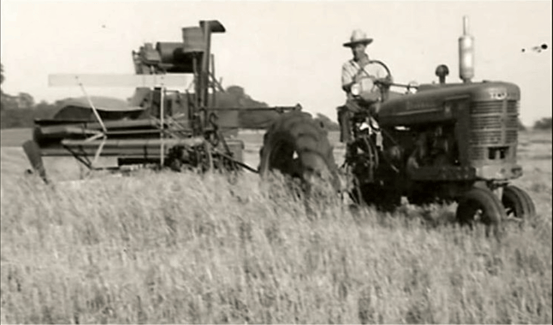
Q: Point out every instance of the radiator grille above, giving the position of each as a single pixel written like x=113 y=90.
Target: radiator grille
x=511 y=136
x=511 y=122
x=493 y=122
x=477 y=153
x=485 y=122
x=492 y=127
x=486 y=137
x=493 y=107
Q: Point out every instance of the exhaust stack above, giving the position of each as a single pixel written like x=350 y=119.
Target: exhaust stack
x=466 y=53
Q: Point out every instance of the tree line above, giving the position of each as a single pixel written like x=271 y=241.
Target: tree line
x=236 y=96
x=19 y=111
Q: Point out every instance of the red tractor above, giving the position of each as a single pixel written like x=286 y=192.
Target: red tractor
x=446 y=142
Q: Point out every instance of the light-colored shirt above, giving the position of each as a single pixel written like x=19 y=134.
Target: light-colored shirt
x=370 y=72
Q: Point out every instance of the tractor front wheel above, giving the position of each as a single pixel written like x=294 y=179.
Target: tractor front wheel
x=480 y=205
x=518 y=204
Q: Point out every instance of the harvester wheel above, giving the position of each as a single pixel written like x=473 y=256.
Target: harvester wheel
x=480 y=205
x=197 y=158
x=297 y=146
x=518 y=204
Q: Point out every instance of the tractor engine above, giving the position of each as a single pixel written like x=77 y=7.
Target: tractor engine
x=454 y=133
x=434 y=145
x=472 y=127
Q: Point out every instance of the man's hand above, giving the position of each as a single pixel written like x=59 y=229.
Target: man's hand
x=387 y=81
x=359 y=75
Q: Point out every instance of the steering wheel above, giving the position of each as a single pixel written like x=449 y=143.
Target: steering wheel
x=379 y=82
x=383 y=85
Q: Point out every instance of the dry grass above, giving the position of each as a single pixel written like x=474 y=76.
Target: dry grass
x=181 y=248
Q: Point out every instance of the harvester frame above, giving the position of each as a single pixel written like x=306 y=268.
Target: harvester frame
x=192 y=140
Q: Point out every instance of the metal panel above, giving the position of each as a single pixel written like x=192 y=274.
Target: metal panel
x=446 y=173
x=114 y=80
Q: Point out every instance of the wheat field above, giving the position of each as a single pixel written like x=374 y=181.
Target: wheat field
x=185 y=248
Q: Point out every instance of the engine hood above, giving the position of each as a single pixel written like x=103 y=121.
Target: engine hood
x=430 y=98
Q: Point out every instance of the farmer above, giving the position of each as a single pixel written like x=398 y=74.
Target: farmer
x=362 y=73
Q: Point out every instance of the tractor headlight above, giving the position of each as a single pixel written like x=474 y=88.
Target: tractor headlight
x=355 y=89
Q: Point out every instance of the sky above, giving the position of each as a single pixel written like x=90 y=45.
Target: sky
x=281 y=53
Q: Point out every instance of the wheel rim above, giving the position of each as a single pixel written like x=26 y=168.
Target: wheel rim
x=480 y=205
x=518 y=204
x=510 y=211
x=473 y=211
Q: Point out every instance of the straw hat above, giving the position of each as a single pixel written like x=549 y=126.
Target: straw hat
x=358 y=36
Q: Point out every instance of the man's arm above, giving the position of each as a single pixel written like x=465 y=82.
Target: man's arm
x=350 y=75
x=347 y=78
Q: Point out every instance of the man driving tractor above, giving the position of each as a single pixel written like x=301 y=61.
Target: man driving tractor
x=358 y=81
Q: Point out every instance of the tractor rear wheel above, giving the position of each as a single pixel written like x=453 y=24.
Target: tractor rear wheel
x=480 y=205
x=518 y=204
x=297 y=146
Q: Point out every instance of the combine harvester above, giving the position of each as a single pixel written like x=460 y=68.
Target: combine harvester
x=181 y=129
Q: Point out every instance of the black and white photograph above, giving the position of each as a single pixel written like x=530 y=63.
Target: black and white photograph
x=260 y=162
